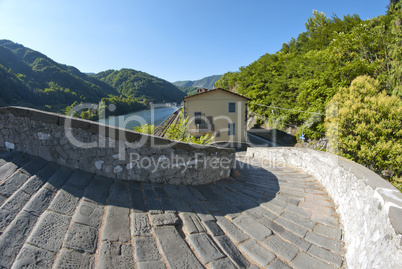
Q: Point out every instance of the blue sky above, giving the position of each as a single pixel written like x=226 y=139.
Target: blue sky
x=170 y=39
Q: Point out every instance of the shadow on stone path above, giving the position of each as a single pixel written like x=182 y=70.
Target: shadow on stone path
x=264 y=216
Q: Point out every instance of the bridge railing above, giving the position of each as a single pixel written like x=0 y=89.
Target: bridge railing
x=110 y=151
x=370 y=208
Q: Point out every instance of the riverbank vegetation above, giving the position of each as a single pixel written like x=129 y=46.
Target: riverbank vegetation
x=178 y=131
x=353 y=63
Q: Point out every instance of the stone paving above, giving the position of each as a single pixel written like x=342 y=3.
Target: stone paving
x=272 y=217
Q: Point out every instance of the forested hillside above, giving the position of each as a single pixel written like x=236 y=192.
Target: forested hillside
x=129 y=82
x=307 y=73
x=30 y=78
x=190 y=87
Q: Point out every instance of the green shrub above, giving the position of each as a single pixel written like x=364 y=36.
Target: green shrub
x=180 y=132
x=365 y=126
x=145 y=128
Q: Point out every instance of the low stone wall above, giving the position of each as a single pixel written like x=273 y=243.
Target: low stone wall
x=109 y=151
x=370 y=208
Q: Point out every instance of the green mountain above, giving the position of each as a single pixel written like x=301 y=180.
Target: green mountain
x=190 y=87
x=30 y=78
x=129 y=82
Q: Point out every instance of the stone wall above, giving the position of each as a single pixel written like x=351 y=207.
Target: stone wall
x=109 y=151
x=370 y=208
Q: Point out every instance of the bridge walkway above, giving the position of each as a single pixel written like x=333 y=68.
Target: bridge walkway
x=264 y=216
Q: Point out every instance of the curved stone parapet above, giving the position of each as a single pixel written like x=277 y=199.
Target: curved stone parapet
x=370 y=208
x=110 y=151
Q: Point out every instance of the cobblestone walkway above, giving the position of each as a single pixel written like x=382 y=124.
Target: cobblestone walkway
x=51 y=216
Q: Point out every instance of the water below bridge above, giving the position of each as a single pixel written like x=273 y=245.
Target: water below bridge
x=150 y=116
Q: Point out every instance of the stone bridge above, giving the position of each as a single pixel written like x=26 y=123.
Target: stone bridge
x=77 y=194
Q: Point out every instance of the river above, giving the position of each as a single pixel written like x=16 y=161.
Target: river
x=151 y=116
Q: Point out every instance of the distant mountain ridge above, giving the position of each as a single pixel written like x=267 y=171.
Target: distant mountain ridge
x=131 y=82
x=30 y=78
x=190 y=86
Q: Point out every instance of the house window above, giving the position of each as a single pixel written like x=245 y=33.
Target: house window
x=197 y=117
x=231 y=128
x=232 y=107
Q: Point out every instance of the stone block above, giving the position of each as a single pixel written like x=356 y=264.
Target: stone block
x=30 y=255
x=12 y=241
x=98 y=190
x=252 y=227
x=58 y=179
x=65 y=202
x=165 y=219
x=305 y=261
x=146 y=249
x=50 y=230
x=326 y=255
x=294 y=228
x=13 y=183
x=191 y=223
x=232 y=230
x=115 y=255
x=213 y=228
x=276 y=228
x=141 y=225
x=222 y=263
x=205 y=247
x=89 y=214
x=7 y=170
x=82 y=238
x=175 y=249
x=300 y=242
x=117 y=224
x=278 y=264
x=79 y=180
x=282 y=248
x=10 y=209
x=329 y=231
x=35 y=165
x=231 y=251
x=325 y=242
x=151 y=265
x=137 y=198
x=68 y=258
x=39 y=202
x=33 y=184
x=120 y=194
x=259 y=254
x=302 y=221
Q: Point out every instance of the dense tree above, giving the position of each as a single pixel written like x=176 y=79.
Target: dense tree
x=293 y=86
x=308 y=71
x=364 y=125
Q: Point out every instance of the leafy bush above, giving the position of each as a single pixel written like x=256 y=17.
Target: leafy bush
x=180 y=131
x=365 y=126
x=145 y=128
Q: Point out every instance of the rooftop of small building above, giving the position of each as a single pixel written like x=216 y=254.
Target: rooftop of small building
x=203 y=91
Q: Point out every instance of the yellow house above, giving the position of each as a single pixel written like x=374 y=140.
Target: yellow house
x=218 y=112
